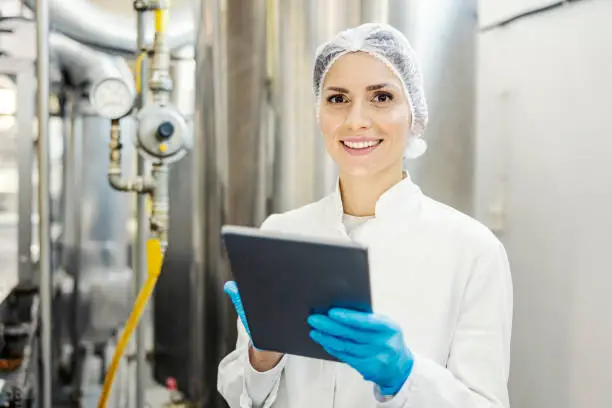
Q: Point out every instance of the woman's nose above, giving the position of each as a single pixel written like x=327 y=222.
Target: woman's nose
x=357 y=117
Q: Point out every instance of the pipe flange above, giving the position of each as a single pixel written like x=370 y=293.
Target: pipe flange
x=159 y=4
x=162 y=134
x=161 y=83
x=142 y=5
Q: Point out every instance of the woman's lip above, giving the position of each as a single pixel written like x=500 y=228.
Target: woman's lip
x=363 y=151
x=357 y=139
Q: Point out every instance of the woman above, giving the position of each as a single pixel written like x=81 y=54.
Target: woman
x=441 y=285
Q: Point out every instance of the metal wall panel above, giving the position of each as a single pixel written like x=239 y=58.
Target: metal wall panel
x=543 y=183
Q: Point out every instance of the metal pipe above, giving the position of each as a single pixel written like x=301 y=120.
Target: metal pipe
x=161 y=204
x=161 y=82
x=90 y=24
x=73 y=226
x=42 y=72
x=86 y=66
x=141 y=219
x=139 y=184
x=160 y=86
x=24 y=115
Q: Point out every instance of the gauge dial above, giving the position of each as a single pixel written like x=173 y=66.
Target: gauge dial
x=112 y=98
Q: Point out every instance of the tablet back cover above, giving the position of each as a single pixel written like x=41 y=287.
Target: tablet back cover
x=283 y=280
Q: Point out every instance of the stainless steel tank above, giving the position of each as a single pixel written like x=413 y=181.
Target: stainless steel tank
x=231 y=105
x=443 y=33
x=96 y=236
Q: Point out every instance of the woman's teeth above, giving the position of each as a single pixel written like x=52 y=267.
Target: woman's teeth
x=361 y=145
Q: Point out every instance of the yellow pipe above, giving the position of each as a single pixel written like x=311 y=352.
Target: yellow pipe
x=161 y=20
x=154 y=260
x=139 y=69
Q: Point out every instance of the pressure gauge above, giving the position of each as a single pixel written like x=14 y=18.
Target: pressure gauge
x=112 y=98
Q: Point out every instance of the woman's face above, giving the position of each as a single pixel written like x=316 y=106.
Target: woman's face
x=364 y=115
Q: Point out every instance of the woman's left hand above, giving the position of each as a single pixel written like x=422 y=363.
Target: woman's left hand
x=371 y=344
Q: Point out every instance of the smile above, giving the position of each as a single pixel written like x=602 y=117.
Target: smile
x=361 y=147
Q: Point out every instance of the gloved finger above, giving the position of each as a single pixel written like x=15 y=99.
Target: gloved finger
x=353 y=361
x=357 y=363
x=341 y=345
x=328 y=326
x=231 y=288
x=363 y=366
x=362 y=320
x=232 y=291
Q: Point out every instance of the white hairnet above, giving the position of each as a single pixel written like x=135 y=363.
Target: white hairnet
x=392 y=48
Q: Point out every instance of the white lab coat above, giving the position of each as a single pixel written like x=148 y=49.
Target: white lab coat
x=442 y=276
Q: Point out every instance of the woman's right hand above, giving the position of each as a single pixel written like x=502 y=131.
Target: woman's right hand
x=260 y=360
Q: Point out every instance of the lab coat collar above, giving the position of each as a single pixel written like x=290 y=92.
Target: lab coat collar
x=404 y=199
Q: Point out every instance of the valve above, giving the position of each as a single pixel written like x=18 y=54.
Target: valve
x=163 y=134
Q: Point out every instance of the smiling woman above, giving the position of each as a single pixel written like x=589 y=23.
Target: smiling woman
x=365 y=116
x=441 y=287
x=371 y=110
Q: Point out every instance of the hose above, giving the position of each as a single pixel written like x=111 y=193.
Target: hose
x=154 y=262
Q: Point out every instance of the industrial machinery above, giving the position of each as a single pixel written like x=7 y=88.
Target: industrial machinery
x=119 y=82
x=163 y=138
x=78 y=259
x=203 y=109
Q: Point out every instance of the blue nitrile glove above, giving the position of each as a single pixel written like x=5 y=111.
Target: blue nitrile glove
x=232 y=291
x=371 y=344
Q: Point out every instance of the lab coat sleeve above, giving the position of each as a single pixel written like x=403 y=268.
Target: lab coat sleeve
x=240 y=384
x=476 y=375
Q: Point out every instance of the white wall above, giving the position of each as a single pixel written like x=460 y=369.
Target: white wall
x=544 y=137
x=495 y=11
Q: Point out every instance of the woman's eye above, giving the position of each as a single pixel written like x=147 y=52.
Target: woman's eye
x=383 y=97
x=336 y=99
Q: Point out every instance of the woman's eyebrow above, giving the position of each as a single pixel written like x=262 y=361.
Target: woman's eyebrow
x=378 y=86
x=337 y=89
x=374 y=87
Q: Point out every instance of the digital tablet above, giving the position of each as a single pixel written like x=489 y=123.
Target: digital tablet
x=284 y=278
